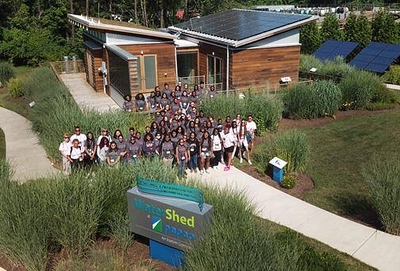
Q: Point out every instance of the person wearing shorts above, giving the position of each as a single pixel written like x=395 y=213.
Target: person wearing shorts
x=64 y=149
x=229 y=142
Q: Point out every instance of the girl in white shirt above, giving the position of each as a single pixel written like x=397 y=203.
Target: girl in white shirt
x=64 y=149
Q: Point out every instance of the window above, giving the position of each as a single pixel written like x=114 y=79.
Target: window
x=147 y=72
x=214 y=70
x=119 y=74
x=187 y=64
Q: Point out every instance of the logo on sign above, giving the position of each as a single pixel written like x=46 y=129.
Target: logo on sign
x=156 y=224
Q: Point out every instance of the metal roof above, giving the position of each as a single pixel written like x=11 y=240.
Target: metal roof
x=237 y=27
x=107 y=25
x=121 y=52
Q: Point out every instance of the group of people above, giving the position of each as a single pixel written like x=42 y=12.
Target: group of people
x=181 y=136
x=169 y=99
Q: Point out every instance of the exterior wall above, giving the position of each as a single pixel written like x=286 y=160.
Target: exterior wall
x=259 y=67
x=205 y=50
x=95 y=63
x=165 y=52
x=288 y=38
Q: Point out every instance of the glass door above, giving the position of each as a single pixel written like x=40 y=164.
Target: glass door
x=214 y=74
x=147 y=72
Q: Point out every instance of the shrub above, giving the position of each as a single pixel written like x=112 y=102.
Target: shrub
x=6 y=72
x=311 y=101
x=383 y=95
x=15 y=88
x=393 y=75
x=291 y=146
x=383 y=179
x=265 y=108
x=358 y=88
x=288 y=181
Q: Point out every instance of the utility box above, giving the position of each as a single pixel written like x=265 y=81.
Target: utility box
x=277 y=168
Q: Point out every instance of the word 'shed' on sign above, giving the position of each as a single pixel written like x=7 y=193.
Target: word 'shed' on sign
x=171 y=221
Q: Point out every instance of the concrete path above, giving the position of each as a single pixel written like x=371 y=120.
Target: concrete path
x=85 y=96
x=25 y=154
x=376 y=248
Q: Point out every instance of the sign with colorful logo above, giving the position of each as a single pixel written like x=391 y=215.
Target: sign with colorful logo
x=172 y=221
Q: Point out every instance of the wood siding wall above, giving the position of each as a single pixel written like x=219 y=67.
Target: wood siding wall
x=165 y=60
x=96 y=64
x=205 y=50
x=133 y=75
x=259 y=67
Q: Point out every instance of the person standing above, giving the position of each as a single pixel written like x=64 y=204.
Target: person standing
x=90 y=150
x=205 y=148
x=80 y=136
x=75 y=156
x=102 y=150
x=64 y=149
x=216 y=148
x=251 y=131
x=128 y=104
x=193 y=144
x=167 y=151
x=229 y=141
x=134 y=150
x=182 y=157
x=113 y=155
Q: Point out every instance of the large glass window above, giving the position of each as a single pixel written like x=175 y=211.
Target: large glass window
x=214 y=70
x=119 y=74
x=187 y=64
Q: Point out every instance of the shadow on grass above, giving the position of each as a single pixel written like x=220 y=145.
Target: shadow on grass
x=359 y=209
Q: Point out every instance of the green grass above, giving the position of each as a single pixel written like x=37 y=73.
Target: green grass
x=338 y=153
x=2 y=145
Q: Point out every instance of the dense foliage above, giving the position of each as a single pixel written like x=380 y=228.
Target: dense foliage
x=6 y=73
x=382 y=177
x=321 y=98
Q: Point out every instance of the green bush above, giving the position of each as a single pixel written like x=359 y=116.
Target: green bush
x=314 y=100
x=358 y=88
x=383 y=179
x=288 y=181
x=291 y=146
x=265 y=108
x=393 y=75
x=15 y=88
x=6 y=72
x=383 y=95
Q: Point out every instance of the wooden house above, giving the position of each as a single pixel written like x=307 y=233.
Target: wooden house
x=233 y=49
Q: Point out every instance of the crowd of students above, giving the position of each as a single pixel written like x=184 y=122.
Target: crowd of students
x=180 y=136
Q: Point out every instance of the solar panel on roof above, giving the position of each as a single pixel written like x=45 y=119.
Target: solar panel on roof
x=332 y=49
x=376 y=57
x=240 y=24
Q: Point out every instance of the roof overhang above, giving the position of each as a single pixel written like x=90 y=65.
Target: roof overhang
x=239 y=43
x=95 y=23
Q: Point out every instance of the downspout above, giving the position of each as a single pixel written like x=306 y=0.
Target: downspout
x=227 y=69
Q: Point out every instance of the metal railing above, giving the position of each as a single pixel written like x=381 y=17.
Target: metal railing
x=68 y=67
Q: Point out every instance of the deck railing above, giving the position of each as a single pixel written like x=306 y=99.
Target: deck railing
x=68 y=66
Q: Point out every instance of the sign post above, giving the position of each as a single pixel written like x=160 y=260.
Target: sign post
x=277 y=168
x=173 y=217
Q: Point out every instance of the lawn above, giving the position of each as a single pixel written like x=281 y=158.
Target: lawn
x=338 y=153
x=2 y=145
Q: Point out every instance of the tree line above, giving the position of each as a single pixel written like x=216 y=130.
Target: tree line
x=37 y=31
x=382 y=28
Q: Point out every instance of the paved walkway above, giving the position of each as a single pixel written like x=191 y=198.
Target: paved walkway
x=85 y=96
x=376 y=248
x=25 y=154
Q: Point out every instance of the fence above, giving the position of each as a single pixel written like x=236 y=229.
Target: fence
x=68 y=66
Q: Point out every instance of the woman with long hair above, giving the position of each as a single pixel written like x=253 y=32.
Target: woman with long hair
x=205 y=149
x=113 y=155
x=102 y=150
x=90 y=149
x=217 y=147
x=243 y=144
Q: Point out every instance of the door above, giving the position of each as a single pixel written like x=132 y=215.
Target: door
x=147 y=73
x=214 y=71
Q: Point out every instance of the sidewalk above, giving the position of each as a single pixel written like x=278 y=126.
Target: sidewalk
x=85 y=96
x=26 y=156
x=376 y=248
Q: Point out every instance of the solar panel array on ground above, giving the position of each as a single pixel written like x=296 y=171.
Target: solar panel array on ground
x=332 y=49
x=376 y=57
x=240 y=24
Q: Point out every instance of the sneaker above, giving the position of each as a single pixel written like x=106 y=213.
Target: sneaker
x=250 y=163
x=216 y=167
x=241 y=160
x=207 y=171
x=195 y=170
x=226 y=168
x=191 y=171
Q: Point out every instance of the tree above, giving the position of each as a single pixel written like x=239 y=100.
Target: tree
x=358 y=29
x=310 y=38
x=384 y=28
x=330 y=28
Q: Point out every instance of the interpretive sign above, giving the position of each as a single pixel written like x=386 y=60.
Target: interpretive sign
x=172 y=221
